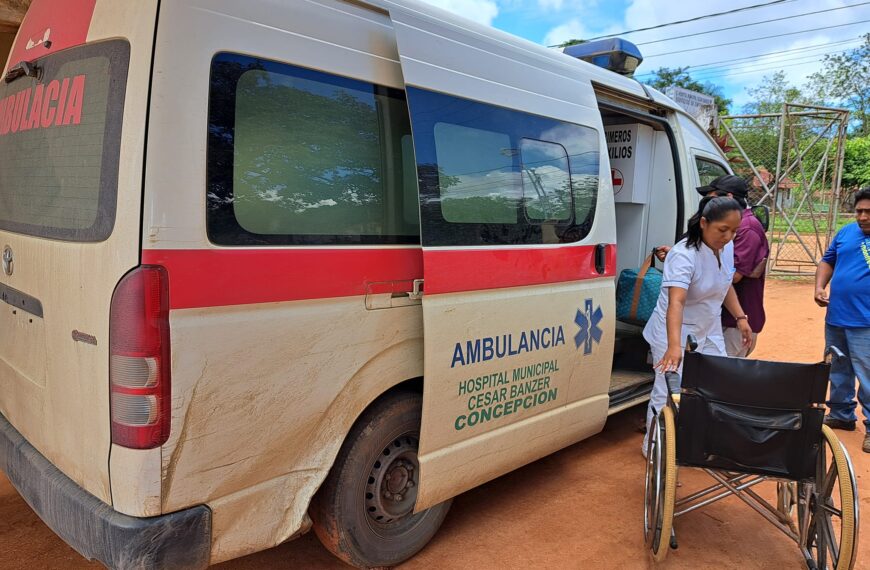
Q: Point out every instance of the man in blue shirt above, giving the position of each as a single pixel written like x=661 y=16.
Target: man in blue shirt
x=846 y=265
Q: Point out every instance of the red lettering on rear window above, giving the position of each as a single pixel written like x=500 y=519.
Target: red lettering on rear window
x=35 y=107
x=22 y=101
x=57 y=104
x=48 y=108
x=73 y=114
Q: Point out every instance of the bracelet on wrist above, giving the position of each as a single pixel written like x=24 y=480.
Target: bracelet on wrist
x=742 y=317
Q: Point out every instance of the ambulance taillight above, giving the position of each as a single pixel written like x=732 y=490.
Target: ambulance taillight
x=139 y=361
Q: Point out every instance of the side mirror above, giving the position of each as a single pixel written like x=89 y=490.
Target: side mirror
x=762 y=213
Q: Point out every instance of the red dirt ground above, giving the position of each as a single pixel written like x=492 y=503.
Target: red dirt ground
x=581 y=507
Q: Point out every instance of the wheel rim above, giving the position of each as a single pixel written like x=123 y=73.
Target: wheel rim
x=652 y=507
x=831 y=522
x=391 y=487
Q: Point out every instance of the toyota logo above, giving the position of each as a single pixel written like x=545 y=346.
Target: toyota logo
x=8 y=266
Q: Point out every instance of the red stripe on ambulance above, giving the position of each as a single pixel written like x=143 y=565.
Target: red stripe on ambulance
x=218 y=277
x=451 y=271
x=51 y=26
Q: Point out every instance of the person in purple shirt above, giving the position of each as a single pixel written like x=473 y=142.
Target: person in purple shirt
x=846 y=266
x=751 y=251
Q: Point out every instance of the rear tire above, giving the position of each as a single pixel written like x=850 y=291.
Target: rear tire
x=363 y=513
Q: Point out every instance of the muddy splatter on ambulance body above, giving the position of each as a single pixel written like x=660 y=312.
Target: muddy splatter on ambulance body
x=334 y=265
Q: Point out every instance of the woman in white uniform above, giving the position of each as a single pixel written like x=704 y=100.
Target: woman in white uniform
x=697 y=280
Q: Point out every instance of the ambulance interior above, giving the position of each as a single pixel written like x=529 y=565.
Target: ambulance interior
x=646 y=194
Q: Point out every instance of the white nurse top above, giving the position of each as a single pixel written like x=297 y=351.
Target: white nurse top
x=706 y=282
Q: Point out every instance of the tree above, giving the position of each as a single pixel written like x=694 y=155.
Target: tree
x=773 y=91
x=856 y=163
x=664 y=77
x=568 y=43
x=844 y=81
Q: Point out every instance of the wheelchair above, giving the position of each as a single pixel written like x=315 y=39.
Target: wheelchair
x=746 y=422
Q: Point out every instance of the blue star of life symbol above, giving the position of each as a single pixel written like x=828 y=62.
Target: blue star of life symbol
x=589 y=330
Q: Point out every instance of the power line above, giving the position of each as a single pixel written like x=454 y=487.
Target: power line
x=772 y=67
x=758 y=39
x=805 y=48
x=704 y=17
x=807 y=58
x=750 y=57
x=715 y=70
x=753 y=24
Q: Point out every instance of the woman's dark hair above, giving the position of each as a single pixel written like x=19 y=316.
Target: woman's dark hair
x=722 y=193
x=712 y=209
x=862 y=194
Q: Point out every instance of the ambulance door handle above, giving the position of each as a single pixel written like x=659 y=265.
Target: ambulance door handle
x=416 y=292
x=601 y=258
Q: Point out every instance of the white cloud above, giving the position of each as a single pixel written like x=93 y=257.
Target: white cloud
x=481 y=11
x=569 y=30
x=575 y=29
x=551 y=4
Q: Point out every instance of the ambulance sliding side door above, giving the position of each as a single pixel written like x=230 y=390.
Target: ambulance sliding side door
x=518 y=241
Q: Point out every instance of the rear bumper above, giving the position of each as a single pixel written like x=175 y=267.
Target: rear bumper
x=93 y=528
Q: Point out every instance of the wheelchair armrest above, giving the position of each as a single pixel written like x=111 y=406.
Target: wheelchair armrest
x=673 y=379
x=833 y=352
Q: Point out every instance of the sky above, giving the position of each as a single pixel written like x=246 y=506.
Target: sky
x=549 y=22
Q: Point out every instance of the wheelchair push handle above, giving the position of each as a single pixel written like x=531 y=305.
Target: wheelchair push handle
x=673 y=379
x=832 y=352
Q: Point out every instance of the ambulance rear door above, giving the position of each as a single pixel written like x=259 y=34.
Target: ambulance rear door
x=73 y=107
x=518 y=242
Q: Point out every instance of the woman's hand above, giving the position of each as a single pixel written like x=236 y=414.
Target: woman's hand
x=662 y=252
x=671 y=361
x=759 y=270
x=745 y=332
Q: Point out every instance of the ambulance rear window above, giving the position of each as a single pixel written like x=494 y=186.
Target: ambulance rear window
x=60 y=136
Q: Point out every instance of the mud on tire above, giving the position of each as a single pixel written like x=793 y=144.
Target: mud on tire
x=363 y=513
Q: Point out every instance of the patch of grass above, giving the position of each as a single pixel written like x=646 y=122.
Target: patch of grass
x=805 y=278
x=805 y=226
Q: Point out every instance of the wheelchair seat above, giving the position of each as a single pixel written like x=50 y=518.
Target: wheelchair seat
x=751 y=416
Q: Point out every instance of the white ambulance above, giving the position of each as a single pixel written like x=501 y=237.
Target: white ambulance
x=274 y=265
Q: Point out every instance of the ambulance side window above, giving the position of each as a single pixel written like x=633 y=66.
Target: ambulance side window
x=478 y=187
x=301 y=157
x=708 y=170
x=496 y=176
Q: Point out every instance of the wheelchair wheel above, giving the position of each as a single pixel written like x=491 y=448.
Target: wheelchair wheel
x=829 y=509
x=661 y=484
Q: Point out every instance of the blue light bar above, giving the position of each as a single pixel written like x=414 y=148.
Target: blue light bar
x=614 y=54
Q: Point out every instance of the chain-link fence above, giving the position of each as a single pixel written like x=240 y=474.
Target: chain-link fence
x=793 y=163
